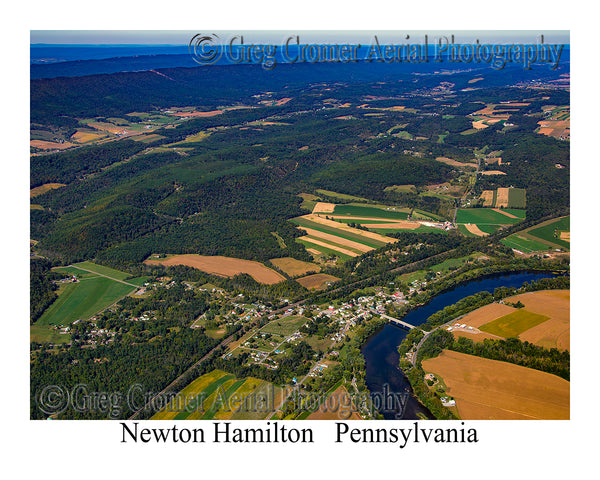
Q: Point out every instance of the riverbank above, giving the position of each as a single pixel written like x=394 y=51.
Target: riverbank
x=382 y=358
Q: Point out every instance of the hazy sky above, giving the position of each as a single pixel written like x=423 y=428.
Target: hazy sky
x=182 y=37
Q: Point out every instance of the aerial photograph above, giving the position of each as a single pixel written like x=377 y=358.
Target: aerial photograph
x=299 y=225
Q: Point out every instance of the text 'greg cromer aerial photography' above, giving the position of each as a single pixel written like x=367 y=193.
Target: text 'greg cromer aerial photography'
x=276 y=226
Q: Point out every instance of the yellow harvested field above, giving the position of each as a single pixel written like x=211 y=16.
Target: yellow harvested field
x=317 y=281
x=474 y=229
x=476 y=337
x=486 y=314
x=488 y=198
x=487 y=389
x=44 y=188
x=479 y=124
x=455 y=163
x=335 y=239
x=566 y=236
x=148 y=138
x=224 y=266
x=324 y=207
x=556 y=304
x=553 y=333
x=108 y=127
x=329 y=245
x=341 y=226
x=313 y=251
x=294 y=267
x=84 y=137
x=502 y=197
x=493 y=172
x=45 y=145
x=212 y=113
x=503 y=212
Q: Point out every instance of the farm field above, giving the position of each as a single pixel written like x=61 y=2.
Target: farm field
x=317 y=281
x=455 y=163
x=83 y=299
x=487 y=389
x=219 y=395
x=543 y=321
x=48 y=145
x=97 y=287
x=101 y=270
x=482 y=221
x=513 y=324
x=329 y=237
x=367 y=211
x=504 y=198
x=488 y=216
x=380 y=219
x=224 y=266
x=552 y=234
x=293 y=267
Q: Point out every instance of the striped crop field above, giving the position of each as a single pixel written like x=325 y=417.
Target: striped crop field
x=220 y=395
x=332 y=237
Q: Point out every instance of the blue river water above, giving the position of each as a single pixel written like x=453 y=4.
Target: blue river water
x=383 y=375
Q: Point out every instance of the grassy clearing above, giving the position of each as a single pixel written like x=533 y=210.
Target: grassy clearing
x=284 y=326
x=341 y=196
x=293 y=267
x=47 y=334
x=308 y=201
x=317 y=281
x=513 y=324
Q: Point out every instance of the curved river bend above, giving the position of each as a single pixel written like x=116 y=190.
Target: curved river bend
x=381 y=350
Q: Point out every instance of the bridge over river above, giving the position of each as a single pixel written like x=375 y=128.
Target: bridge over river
x=394 y=320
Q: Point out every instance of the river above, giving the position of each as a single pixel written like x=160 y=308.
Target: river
x=383 y=374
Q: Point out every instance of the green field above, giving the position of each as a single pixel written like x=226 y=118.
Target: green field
x=516 y=198
x=91 y=294
x=372 y=212
x=284 y=326
x=401 y=189
x=513 y=324
x=47 y=334
x=83 y=299
x=525 y=245
x=485 y=216
x=549 y=232
x=102 y=270
x=341 y=196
